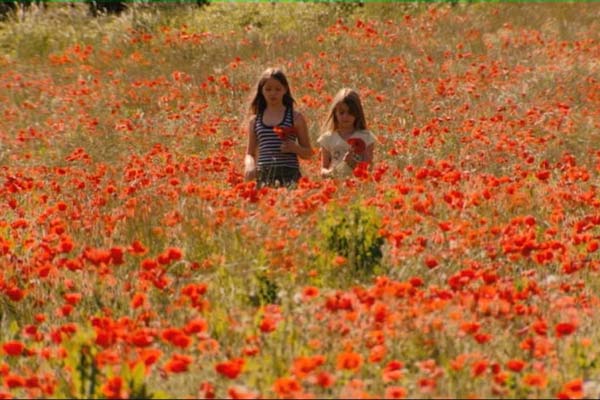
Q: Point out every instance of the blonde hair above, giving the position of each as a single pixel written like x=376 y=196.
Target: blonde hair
x=352 y=99
x=259 y=103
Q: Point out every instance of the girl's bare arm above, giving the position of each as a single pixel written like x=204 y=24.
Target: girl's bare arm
x=250 y=157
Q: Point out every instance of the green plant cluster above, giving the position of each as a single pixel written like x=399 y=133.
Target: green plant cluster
x=354 y=233
x=85 y=380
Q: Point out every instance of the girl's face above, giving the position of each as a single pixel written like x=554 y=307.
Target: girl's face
x=345 y=120
x=273 y=91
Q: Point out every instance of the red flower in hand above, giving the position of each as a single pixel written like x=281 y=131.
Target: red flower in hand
x=358 y=145
x=284 y=131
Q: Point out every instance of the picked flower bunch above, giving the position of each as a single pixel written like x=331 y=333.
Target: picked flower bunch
x=285 y=131
x=358 y=145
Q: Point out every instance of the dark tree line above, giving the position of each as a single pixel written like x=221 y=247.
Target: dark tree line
x=116 y=7
x=96 y=7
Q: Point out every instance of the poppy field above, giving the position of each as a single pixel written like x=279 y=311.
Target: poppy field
x=136 y=262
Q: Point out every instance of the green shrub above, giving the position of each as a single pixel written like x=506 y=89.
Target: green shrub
x=266 y=291
x=354 y=233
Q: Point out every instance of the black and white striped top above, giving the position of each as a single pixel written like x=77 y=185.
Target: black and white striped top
x=269 y=144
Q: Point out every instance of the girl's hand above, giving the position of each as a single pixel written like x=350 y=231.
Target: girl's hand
x=250 y=175
x=289 y=146
x=249 y=168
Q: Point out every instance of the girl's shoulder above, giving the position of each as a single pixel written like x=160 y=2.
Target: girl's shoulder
x=326 y=138
x=298 y=116
x=251 y=119
x=366 y=135
x=327 y=135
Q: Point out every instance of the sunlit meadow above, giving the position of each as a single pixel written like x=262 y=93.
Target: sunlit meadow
x=136 y=262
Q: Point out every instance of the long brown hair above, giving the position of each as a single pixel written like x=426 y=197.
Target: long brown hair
x=352 y=99
x=259 y=103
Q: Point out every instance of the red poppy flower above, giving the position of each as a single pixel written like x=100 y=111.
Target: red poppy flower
x=515 y=364
x=284 y=131
x=149 y=356
x=358 y=145
x=141 y=338
x=395 y=392
x=564 y=329
x=574 y=389
x=537 y=380
x=196 y=325
x=286 y=387
x=349 y=361
x=113 y=388
x=431 y=262
x=14 y=381
x=13 y=348
x=231 y=369
x=178 y=363
x=207 y=390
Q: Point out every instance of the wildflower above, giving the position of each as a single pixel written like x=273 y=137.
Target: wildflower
x=479 y=367
x=323 y=379
x=349 y=361
x=540 y=327
x=149 y=356
x=303 y=365
x=286 y=387
x=358 y=145
x=309 y=292
x=427 y=385
x=431 y=262
x=361 y=170
x=543 y=175
x=482 y=338
x=572 y=390
x=207 y=390
x=97 y=256
x=231 y=369
x=13 y=381
x=72 y=298
x=197 y=325
x=338 y=261
x=141 y=338
x=240 y=392
x=14 y=293
x=114 y=388
x=176 y=337
x=174 y=253
x=564 y=329
x=515 y=365
x=268 y=324
x=395 y=392
x=13 y=348
x=116 y=255
x=178 y=363
x=377 y=353
x=137 y=248
x=138 y=300
x=283 y=132
x=536 y=380
x=393 y=371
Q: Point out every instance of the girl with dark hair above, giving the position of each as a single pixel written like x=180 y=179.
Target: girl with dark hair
x=277 y=134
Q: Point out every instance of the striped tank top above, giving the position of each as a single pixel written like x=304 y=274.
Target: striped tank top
x=269 y=144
